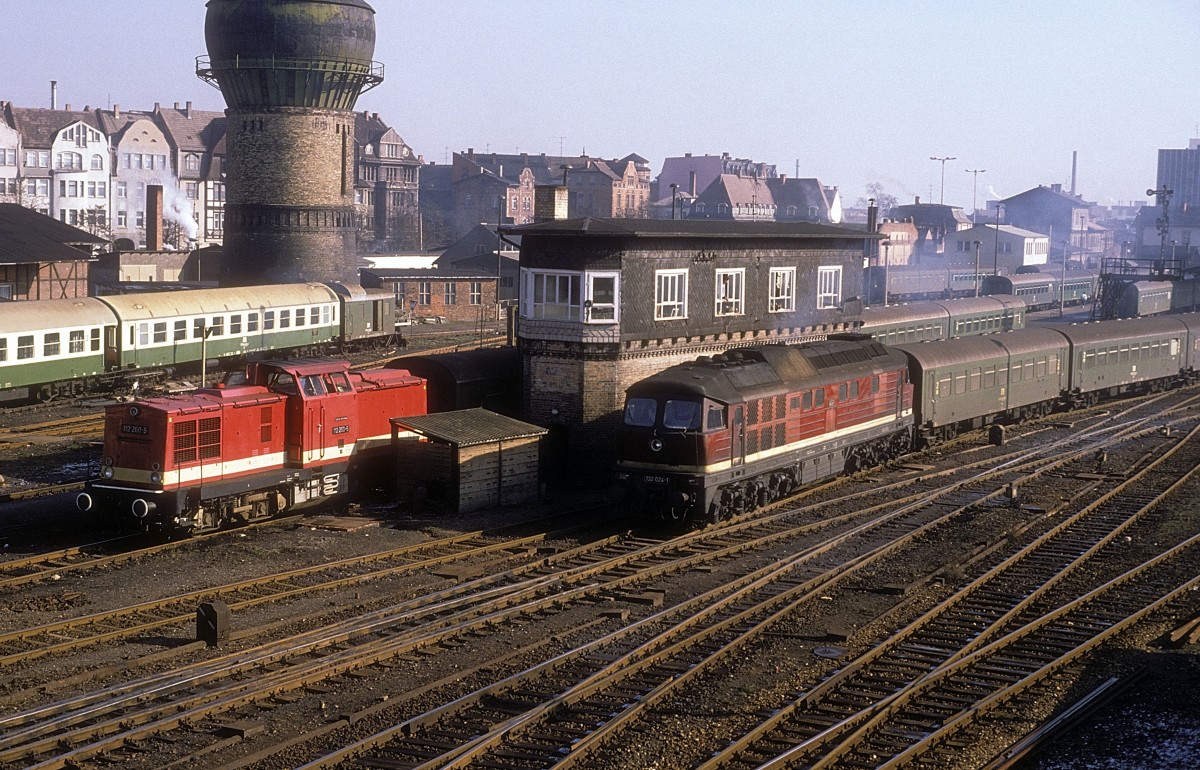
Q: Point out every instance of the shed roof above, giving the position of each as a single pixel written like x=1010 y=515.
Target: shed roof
x=468 y=427
x=28 y=236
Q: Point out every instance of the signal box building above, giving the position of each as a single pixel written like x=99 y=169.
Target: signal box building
x=606 y=302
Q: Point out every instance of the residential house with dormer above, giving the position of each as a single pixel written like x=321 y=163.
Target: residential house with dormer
x=740 y=198
x=387 y=179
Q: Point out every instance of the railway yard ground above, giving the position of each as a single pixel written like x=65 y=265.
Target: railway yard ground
x=562 y=634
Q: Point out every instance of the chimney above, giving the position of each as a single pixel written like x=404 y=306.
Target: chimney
x=154 y=217
x=188 y=109
x=692 y=182
x=176 y=105
x=117 y=111
x=917 y=200
x=783 y=179
x=67 y=106
x=1056 y=187
x=549 y=202
x=1074 y=158
x=54 y=94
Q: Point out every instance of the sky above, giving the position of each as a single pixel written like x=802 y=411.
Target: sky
x=853 y=92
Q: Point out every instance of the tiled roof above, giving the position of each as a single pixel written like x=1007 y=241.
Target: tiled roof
x=469 y=427
x=38 y=126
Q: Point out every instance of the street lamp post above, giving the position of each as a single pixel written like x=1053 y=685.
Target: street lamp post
x=674 y=187
x=887 y=261
x=943 y=162
x=974 y=189
x=977 y=245
x=996 y=251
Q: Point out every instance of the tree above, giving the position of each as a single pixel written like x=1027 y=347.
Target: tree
x=884 y=200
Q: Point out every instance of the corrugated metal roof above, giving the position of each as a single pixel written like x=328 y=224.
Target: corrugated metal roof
x=469 y=427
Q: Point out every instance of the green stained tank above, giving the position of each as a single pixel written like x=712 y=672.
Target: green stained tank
x=290 y=53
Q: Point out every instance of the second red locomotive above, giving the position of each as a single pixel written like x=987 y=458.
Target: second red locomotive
x=283 y=436
x=703 y=441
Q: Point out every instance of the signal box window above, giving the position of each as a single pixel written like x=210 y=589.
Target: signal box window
x=670 y=294
x=555 y=296
x=829 y=287
x=783 y=290
x=730 y=292
x=601 y=303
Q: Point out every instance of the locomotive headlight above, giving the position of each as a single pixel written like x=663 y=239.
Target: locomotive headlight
x=656 y=445
x=107 y=472
x=155 y=478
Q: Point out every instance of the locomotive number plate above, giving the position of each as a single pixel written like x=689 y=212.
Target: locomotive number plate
x=135 y=430
x=341 y=429
x=656 y=479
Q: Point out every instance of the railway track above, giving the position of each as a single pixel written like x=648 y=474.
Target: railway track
x=719 y=621
x=994 y=602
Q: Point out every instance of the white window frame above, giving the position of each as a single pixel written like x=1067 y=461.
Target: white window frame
x=670 y=294
x=536 y=284
x=730 y=292
x=781 y=297
x=597 y=312
x=829 y=287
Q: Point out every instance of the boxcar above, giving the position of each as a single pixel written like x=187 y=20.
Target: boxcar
x=367 y=314
x=488 y=378
x=51 y=344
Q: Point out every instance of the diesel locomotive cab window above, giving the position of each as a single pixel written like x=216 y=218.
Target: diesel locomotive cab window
x=337 y=382
x=641 y=412
x=716 y=417
x=681 y=415
x=313 y=385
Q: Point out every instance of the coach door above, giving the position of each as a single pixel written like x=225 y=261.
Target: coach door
x=737 y=451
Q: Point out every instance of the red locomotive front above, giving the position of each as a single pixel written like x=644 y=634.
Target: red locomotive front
x=282 y=436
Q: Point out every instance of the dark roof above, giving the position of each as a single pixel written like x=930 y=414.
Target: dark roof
x=436 y=273
x=468 y=427
x=686 y=228
x=38 y=126
x=193 y=130
x=27 y=236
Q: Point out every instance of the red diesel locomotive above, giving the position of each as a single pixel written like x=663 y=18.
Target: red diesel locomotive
x=282 y=436
x=706 y=440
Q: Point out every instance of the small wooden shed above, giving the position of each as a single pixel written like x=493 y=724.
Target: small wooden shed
x=465 y=460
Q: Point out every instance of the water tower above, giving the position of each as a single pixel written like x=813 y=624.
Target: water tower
x=291 y=72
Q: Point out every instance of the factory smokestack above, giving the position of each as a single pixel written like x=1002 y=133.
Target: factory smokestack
x=154 y=217
x=1074 y=158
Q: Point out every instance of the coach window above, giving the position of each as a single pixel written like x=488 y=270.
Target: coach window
x=314 y=316
x=143 y=334
x=180 y=331
x=76 y=341
x=285 y=319
x=641 y=412
x=731 y=285
x=3 y=349
x=25 y=347
x=218 y=326
x=268 y=320
x=95 y=340
x=975 y=377
x=989 y=377
x=235 y=324
x=197 y=328
x=160 y=331
x=252 y=322
x=53 y=344
x=681 y=415
x=300 y=316
x=600 y=301
x=945 y=387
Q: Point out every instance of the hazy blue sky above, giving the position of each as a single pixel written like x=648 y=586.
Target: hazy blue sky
x=849 y=92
